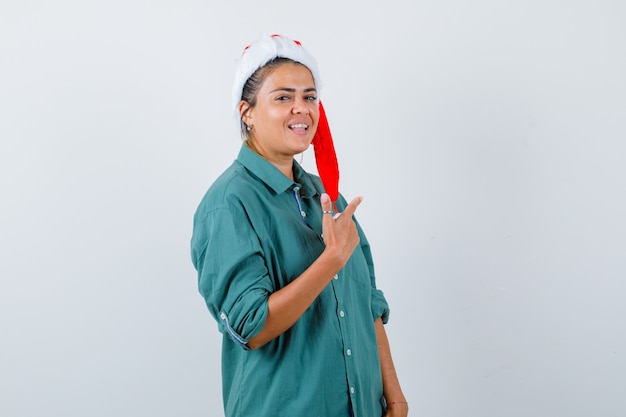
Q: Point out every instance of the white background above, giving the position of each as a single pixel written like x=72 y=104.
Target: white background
x=487 y=137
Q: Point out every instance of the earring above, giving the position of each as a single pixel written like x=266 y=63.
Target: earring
x=248 y=128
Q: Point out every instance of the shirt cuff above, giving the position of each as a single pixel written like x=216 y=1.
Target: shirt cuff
x=380 y=308
x=243 y=324
x=226 y=328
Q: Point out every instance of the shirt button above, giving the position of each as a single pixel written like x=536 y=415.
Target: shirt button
x=341 y=313
x=351 y=390
x=336 y=277
x=349 y=352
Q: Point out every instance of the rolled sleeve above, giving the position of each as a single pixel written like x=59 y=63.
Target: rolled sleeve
x=380 y=308
x=379 y=305
x=232 y=276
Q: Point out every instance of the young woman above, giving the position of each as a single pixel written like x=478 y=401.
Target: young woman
x=283 y=265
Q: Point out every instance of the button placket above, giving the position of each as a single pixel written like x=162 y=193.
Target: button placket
x=344 y=323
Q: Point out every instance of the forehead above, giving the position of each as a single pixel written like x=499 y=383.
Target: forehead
x=289 y=75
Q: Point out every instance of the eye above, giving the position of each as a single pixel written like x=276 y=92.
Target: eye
x=282 y=98
x=311 y=98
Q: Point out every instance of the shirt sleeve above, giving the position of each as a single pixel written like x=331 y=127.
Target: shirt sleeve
x=232 y=276
x=380 y=307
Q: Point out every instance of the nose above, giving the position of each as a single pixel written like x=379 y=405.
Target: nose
x=301 y=106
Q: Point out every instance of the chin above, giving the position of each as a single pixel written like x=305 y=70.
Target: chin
x=302 y=145
x=304 y=148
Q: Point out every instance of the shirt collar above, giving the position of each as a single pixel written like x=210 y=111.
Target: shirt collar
x=272 y=176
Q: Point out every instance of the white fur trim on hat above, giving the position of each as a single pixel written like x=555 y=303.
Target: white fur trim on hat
x=263 y=51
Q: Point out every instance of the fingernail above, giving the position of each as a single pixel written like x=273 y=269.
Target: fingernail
x=325 y=198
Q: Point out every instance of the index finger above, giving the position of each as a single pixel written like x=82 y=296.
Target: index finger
x=351 y=208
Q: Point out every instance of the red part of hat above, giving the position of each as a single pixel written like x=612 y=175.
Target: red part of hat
x=325 y=156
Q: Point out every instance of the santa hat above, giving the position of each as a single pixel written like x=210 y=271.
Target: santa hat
x=260 y=53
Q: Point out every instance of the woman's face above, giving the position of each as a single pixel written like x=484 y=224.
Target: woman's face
x=284 y=119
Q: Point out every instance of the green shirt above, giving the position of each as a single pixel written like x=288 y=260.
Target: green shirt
x=254 y=232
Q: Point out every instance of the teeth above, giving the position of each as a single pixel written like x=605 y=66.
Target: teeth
x=299 y=126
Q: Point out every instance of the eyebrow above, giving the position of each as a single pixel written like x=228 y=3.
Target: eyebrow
x=293 y=90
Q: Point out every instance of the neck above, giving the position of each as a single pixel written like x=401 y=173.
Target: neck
x=284 y=165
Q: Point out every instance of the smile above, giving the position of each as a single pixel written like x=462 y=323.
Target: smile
x=299 y=126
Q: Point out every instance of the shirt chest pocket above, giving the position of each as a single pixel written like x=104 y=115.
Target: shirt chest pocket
x=357 y=270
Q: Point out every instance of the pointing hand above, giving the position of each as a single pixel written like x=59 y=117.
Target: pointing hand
x=339 y=231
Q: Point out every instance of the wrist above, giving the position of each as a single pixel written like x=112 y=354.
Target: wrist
x=330 y=262
x=397 y=409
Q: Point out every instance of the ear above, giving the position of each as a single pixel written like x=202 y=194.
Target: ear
x=245 y=112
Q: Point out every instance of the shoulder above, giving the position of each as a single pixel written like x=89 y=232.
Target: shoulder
x=227 y=191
